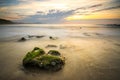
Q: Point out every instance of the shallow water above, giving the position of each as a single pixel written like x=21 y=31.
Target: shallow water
x=91 y=53
x=8 y=31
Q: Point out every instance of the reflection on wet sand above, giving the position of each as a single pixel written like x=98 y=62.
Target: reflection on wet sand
x=94 y=57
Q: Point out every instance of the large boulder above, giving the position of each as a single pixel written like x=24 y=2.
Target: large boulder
x=38 y=59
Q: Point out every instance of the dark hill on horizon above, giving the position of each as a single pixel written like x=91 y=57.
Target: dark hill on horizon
x=4 y=21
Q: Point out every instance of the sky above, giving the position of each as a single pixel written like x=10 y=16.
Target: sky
x=59 y=11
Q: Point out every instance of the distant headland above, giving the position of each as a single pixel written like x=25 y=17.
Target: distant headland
x=4 y=21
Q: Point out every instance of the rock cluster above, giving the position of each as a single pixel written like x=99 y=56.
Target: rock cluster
x=37 y=58
x=28 y=37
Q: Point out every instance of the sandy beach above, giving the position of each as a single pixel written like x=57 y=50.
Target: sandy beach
x=90 y=55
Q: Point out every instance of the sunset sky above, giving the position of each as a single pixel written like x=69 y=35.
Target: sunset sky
x=59 y=11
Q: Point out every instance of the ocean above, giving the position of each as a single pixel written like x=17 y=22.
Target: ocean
x=57 y=30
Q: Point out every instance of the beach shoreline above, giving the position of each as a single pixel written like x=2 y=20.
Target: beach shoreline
x=90 y=55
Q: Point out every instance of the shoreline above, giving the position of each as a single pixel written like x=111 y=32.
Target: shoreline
x=91 y=54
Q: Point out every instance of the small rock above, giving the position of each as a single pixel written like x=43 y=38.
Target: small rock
x=53 y=38
x=23 y=39
x=54 y=52
x=39 y=36
x=50 y=46
x=30 y=36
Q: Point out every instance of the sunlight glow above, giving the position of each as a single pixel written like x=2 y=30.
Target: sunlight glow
x=114 y=14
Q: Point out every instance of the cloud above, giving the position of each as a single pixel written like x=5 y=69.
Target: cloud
x=94 y=6
x=50 y=11
x=108 y=8
x=91 y=11
x=54 y=16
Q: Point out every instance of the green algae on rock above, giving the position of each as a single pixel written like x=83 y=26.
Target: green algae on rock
x=28 y=59
x=38 y=59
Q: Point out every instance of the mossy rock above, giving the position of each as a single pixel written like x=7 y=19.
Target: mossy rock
x=54 y=52
x=38 y=59
x=36 y=52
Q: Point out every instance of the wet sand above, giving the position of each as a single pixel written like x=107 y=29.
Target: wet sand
x=87 y=58
x=91 y=53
